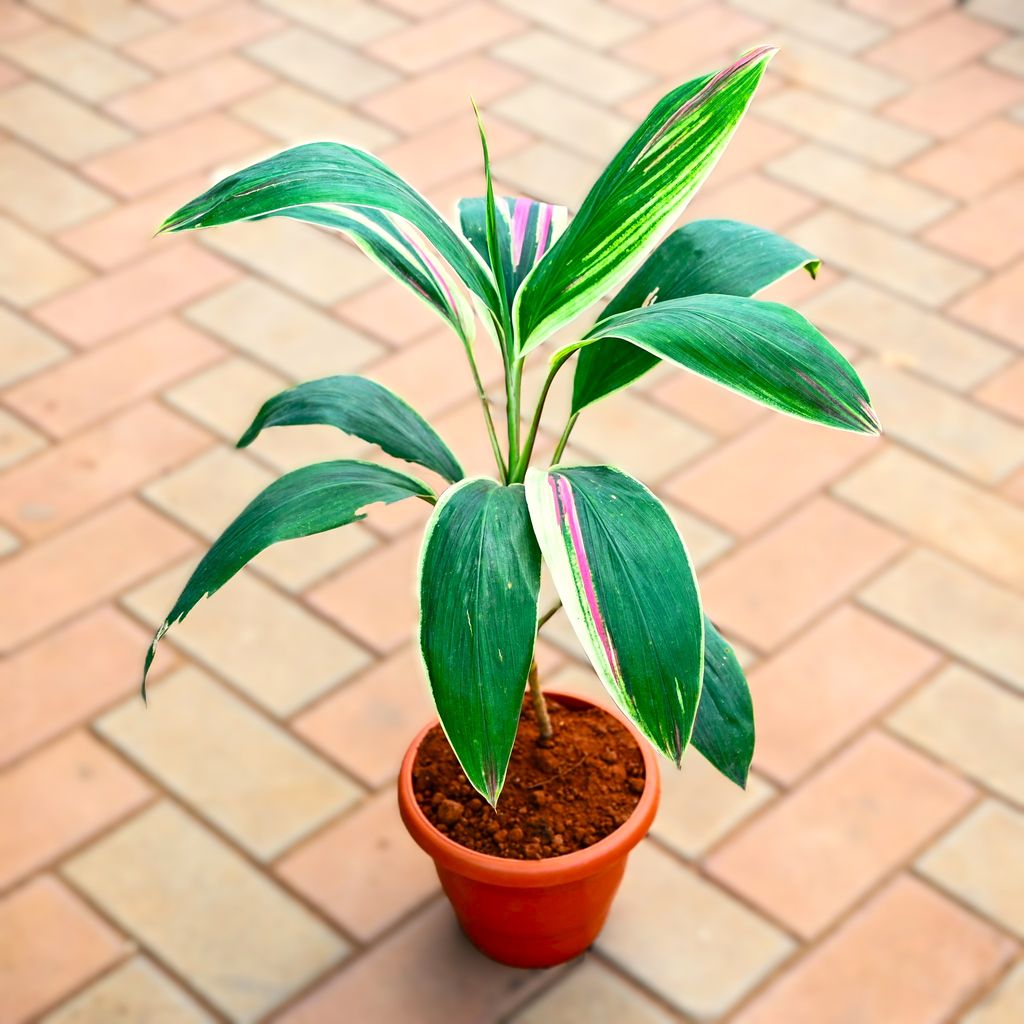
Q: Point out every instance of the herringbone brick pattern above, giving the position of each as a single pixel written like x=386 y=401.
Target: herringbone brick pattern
x=235 y=853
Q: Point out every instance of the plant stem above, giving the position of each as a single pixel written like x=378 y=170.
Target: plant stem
x=549 y=613
x=540 y=709
x=519 y=470
x=563 y=440
x=488 y=419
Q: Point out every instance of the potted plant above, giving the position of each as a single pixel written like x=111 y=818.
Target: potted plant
x=531 y=874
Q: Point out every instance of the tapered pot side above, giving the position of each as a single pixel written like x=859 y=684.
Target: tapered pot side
x=532 y=913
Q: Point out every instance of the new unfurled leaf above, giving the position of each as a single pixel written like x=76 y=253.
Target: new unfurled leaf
x=763 y=350
x=723 y=257
x=637 y=197
x=479 y=582
x=526 y=230
x=724 y=730
x=330 y=175
x=628 y=589
x=365 y=409
x=307 y=501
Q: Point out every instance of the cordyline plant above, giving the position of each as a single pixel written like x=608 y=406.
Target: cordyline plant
x=619 y=566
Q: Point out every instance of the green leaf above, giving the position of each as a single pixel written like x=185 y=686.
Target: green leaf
x=526 y=230
x=307 y=501
x=763 y=350
x=394 y=247
x=479 y=582
x=724 y=730
x=723 y=257
x=637 y=197
x=364 y=408
x=331 y=175
x=627 y=585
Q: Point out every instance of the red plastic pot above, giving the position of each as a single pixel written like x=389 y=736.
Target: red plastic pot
x=532 y=913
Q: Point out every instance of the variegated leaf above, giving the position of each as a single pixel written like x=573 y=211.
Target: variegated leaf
x=526 y=230
x=479 y=582
x=763 y=350
x=637 y=197
x=628 y=589
x=307 y=501
x=333 y=176
x=722 y=257
x=364 y=409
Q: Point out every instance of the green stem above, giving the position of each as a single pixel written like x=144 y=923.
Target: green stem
x=519 y=471
x=488 y=419
x=564 y=439
x=548 y=614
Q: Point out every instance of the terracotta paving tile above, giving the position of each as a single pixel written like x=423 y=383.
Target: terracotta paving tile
x=996 y=304
x=1004 y=391
x=885 y=258
x=902 y=334
x=205 y=35
x=17 y=440
x=1008 y=56
x=136 y=991
x=206 y=912
x=375 y=598
x=1003 y=1006
x=109 y=378
x=75 y=64
x=910 y=956
x=364 y=872
x=444 y=979
x=428 y=99
x=907 y=12
x=692 y=39
x=60 y=798
x=269 y=791
x=978 y=862
x=1002 y=12
x=38 y=191
x=833 y=680
x=196 y=90
x=33 y=270
x=701 y=971
x=707 y=404
x=815 y=853
x=941 y=509
x=127 y=230
x=110 y=21
x=934 y=47
x=754 y=198
x=777 y=464
x=588 y=21
x=86 y=564
x=590 y=991
x=453 y=33
x=336 y=71
x=756 y=143
x=571 y=66
x=777 y=583
x=79 y=475
x=550 y=173
x=17 y=20
x=57 y=124
x=986 y=232
x=857 y=132
x=86 y=665
x=389 y=311
x=946 y=427
x=294 y=115
x=281 y=331
x=357 y=21
x=156 y=160
x=367 y=724
x=957 y=101
x=970 y=723
x=270 y=648
x=316 y=265
x=130 y=297
x=972 y=163
x=207 y=493
x=50 y=944
x=847 y=182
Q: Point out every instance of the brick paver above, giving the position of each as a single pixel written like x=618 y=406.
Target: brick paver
x=234 y=852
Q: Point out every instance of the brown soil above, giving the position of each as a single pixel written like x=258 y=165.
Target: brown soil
x=557 y=798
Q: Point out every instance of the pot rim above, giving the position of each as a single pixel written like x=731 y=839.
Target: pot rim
x=567 y=867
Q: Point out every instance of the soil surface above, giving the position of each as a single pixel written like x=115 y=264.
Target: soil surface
x=558 y=798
